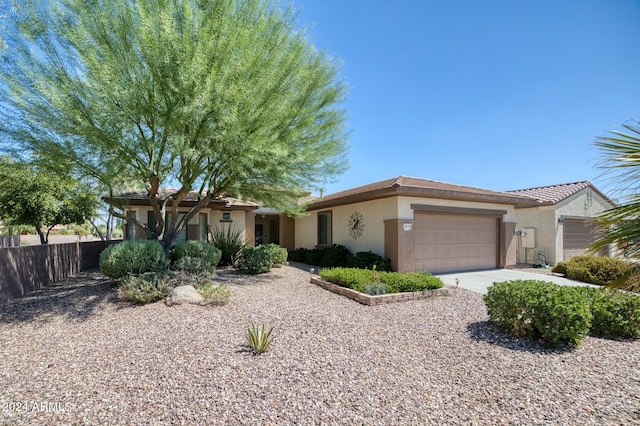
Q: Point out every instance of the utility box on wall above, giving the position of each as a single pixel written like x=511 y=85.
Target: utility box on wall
x=528 y=237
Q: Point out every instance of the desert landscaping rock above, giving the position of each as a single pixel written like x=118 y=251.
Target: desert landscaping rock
x=95 y=360
x=183 y=294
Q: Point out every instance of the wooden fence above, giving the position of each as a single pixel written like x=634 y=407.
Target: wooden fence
x=28 y=268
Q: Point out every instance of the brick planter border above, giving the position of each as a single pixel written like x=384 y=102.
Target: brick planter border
x=383 y=299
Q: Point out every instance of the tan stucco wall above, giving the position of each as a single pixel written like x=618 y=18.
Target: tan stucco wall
x=548 y=229
x=374 y=213
x=214 y=218
x=543 y=221
x=405 y=211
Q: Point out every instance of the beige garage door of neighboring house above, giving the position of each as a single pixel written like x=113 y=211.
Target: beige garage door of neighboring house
x=452 y=243
x=577 y=236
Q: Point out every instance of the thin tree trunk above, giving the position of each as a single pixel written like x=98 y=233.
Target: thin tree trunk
x=11 y=244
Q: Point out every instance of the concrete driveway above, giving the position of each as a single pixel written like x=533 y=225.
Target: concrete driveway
x=479 y=281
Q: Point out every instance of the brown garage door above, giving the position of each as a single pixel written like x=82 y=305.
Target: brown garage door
x=451 y=243
x=577 y=236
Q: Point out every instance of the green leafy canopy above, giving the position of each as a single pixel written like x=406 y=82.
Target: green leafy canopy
x=224 y=97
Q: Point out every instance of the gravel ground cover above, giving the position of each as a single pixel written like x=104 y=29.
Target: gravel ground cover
x=73 y=354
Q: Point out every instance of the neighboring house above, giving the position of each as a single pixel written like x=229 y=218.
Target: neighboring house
x=264 y=225
x=421 y=225
x=560 y=225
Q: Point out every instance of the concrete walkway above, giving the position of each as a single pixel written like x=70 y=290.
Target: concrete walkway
x=479 y=281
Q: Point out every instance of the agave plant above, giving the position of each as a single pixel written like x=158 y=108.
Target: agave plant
x=259 y=338
x=229 y=241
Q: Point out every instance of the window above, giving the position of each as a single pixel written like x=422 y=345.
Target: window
x=202 y=227
x=131 y=225
x=182 y=236
x=324 y=228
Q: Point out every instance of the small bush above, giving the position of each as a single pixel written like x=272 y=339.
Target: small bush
x=357 y=279
x=375 y=289
x=192 y=265
x=278 y=254
x=208 y=253
x=145 y=288
x=539 y=310
x=214 y=294
x=595 y=269
x=313 y=257
x=229 y=241
x=254 y=260
x=615 y=313
x=560 y=268
x=259 y=339
x=297 y=255
x=334 y=256
x=132 y=257
x=367 y=260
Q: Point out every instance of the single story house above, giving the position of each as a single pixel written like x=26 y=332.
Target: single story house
x=419 y=224
x=222 y=213
x=560 y=225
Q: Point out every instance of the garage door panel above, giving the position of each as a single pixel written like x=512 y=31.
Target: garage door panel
x=447 y=243
x=577 y=236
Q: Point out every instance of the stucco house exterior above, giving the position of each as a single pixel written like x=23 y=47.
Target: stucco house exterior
x=419 y=224
x=560 y=225
x=223 y=212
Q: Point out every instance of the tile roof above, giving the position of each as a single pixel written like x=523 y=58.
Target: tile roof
x=192 y=197
x=554 y=193
x=407 y=185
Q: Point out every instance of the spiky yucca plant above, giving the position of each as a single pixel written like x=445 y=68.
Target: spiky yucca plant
x=259 y=338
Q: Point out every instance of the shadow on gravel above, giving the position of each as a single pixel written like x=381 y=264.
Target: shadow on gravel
x=485 y=331
x=76 y=298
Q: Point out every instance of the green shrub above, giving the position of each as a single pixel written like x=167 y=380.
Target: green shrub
x=375 y=289
x=144 y=288
x=410 y=281
x=278 y=254
x=208 y=253
x=214 y=294
x=560 y=268
x=313 y=257
x=357 y=279
x=254 y=260
x=367 y=260
x=192 y=265
x=259 y=339
x=334 y=256
x=615 y=313
x=539 y=310
x=229 y=241
x=297 y=255
x=132 y=257
x=595 y=269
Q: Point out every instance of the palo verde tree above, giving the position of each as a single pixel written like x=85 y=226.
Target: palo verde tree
x=42 y=199
x=216 y=97
x=620 y=161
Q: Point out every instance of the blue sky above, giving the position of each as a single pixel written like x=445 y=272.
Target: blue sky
x=494 y=94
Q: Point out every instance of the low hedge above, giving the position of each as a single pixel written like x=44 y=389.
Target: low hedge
x=338 y=256
x=254 y=260
x=562 y=315
x=592 y=269
x=539 y=310
x=357 y=279
x=208 y=254
x=132 y=257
